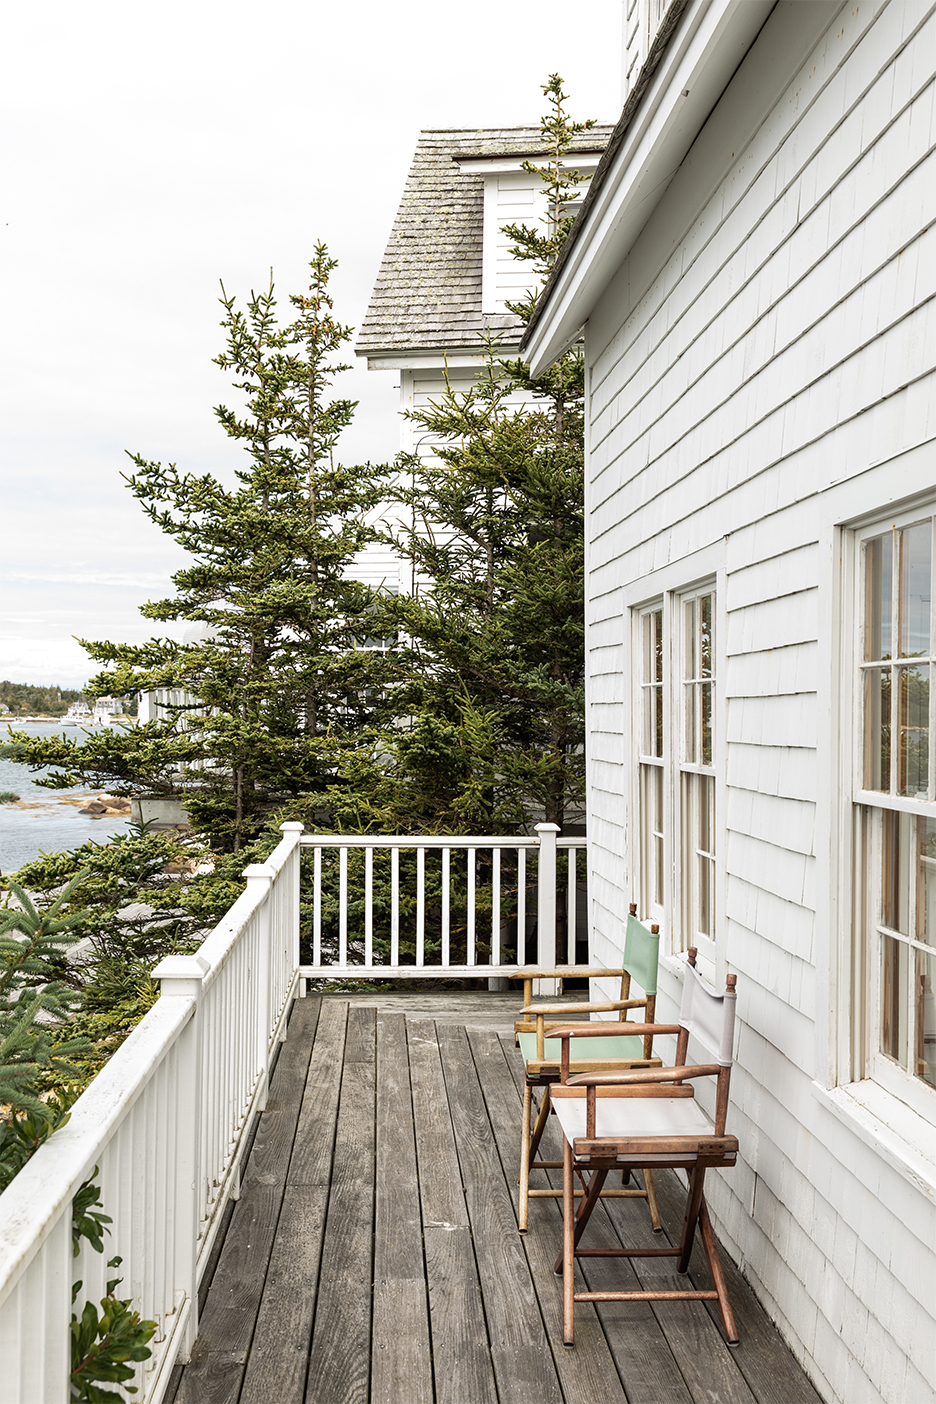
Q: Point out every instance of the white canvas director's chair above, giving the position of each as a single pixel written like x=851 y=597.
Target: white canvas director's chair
x=648 y=1119
x=622 y=1050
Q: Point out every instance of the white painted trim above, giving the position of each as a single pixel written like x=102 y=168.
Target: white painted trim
x=506 y=165
x=707 y=47
x=432 y=359
x=888 y=1127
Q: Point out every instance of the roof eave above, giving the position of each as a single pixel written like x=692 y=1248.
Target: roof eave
x=699 y=47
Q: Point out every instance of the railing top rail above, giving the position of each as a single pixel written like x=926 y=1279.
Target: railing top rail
x=572 y=842
x=221 y=940
x=449 y=972
x=46 y=1185
x=417 y=841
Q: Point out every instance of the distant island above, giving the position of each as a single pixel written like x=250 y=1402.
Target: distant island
x=29 y=701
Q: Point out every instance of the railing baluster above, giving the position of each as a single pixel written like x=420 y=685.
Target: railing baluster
x=471 y=906
x=495 y=906
x=570 y=906
x=394 y=906
x=521 y=906
x=342 y=906
x=317 y=908
x=368 y=906
x=446 y=877
x=420 y=906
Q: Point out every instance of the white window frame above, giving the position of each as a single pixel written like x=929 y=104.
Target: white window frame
x=867 y=1058
x=686 y=770
x=645 y=855
x=701 y=573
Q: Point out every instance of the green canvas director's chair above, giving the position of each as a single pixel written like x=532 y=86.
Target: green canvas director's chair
x=648 y=1119
x=614 y=1053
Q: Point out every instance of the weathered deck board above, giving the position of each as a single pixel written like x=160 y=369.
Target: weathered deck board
x=639 y=1351
x=374 y=1258
x=462 y=1362
x=401 y=1353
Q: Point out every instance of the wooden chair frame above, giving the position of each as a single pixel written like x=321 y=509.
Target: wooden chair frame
x=596 y=1156
x=542 y=1072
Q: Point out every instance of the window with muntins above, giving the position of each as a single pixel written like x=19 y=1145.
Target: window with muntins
x=651 y=765
x=896 y=783
x=675 y=766
x=697 y=771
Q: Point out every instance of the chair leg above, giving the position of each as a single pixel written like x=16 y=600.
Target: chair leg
x=693 y=1206
x=652 y=1205
x=524 y=1208
x=568 y=1247
x=586 y=1205
x=542 y=1116
x=718 y=1275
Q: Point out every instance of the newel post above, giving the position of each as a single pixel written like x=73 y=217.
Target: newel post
x=259 y=884
x=293 y=897
x=546 y=906
x=181 y=977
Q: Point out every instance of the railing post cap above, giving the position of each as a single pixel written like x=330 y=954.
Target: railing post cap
x=178 y=970
x=547 y=828
x=258 y=870
x=292 y=827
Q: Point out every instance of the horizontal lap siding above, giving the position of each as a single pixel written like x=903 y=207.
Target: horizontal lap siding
x=771 y=334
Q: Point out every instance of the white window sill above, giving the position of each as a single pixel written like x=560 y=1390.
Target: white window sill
x=906 y=1140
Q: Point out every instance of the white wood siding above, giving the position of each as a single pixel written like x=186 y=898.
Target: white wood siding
x=762 y=358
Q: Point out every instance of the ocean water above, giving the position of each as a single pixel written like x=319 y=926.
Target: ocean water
x=43 y=821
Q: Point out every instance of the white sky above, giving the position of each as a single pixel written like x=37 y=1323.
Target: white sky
x=151 y=150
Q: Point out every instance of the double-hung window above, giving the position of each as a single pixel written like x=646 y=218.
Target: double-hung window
x=675 y=765
x=696 y=767
x=651 y=766
x=896 y=816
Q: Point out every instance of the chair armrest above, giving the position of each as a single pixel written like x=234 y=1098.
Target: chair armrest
x=602 y=1029
x=615 y=1005
x=565 y=972
x=643 y=1075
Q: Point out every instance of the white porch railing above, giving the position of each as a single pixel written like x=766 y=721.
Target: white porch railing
x=426 y=907
x=164 y=1125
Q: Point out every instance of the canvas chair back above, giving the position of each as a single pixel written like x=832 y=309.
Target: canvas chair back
x=641 y=955
x=708 y=1017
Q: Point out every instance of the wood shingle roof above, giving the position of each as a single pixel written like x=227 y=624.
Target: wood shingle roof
x=428 y=292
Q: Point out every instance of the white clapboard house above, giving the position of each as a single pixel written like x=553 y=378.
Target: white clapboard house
x=438 y=308
x=754 y=270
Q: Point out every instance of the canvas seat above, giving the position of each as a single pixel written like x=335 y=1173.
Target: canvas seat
x=614 y=1050
x=648 y=1119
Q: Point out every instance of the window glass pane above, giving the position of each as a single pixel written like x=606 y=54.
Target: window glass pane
x=895 y=957
x=689 y=617
x=657 y=749
x=878 y=577
x=925 y=1018
x=707 y=641
x=915 y=567
x=877 y=693
x=706 y=813
x=689 y=700
x=926 y=881
x=895 y=870
x=657 y=635
x=706 y=700
x=705 y=896
x=658 y=834
x=913 y=731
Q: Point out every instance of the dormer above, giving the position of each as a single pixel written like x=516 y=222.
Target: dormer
x=514 y=196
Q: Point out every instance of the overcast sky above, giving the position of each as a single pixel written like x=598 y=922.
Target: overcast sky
x=150 y=150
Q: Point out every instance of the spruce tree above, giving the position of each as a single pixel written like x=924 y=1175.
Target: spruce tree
x=274 y=676
x=491 y=733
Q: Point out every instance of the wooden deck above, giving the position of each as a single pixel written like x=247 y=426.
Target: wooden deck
x=373 y=1256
